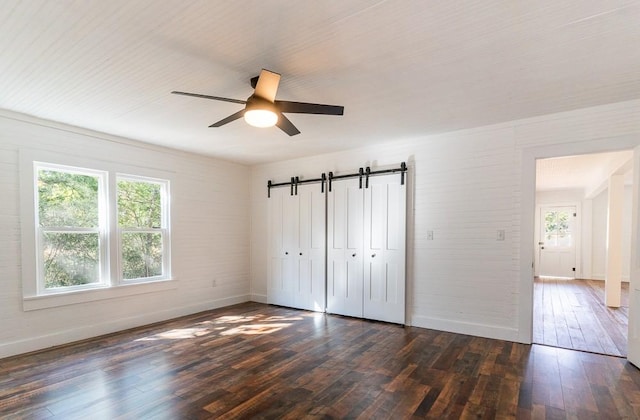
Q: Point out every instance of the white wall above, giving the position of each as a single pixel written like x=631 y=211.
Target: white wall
x=464 y=186
x=210 y=237
x=559 y=196
x=599 y=229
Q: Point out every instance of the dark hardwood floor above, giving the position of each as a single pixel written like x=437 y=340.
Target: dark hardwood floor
x=259 y=361
x=571 y=314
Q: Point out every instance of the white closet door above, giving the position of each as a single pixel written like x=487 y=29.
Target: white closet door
x=280 y=259
x=344 y=248
x=384 y=249
x=309 y=261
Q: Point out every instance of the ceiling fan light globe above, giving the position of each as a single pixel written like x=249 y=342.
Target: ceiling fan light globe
x=261 y=117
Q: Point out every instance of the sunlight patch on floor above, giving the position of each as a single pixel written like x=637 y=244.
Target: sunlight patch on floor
x=228 y=325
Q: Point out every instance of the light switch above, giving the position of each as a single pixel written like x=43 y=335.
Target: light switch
x=430 y=235
x=500 y=235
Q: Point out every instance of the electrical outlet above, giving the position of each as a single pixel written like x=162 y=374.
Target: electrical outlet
x=430 y=235
x=500 y=235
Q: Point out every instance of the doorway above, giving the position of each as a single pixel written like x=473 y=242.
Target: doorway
x=569 y=309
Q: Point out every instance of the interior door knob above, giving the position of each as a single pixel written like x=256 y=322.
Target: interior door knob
x=301 y=253
x=353 y=255
x=286 y=253
x=373 y=255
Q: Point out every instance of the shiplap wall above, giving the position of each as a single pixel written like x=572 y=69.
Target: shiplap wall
x=464 y=186
x=210 y=240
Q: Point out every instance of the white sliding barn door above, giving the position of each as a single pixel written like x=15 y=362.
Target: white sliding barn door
x=309 y=262
x=384 y=249
x=366 y=248
x=279 y=287
x=633 y=340
x=297 y=248
x=344 y=248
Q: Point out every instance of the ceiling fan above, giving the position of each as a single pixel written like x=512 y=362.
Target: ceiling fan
x=263 y=110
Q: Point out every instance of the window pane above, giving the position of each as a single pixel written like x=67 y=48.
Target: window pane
x=550 y=223
x=565 y=240
x=141 y=255
x=139 y=204
x=562 y=226
x=67 y=199
x=70 y=259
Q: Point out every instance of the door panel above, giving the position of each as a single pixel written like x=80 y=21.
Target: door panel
x=633 y=348
x=344 y=253
x=384 y=236
x=309 y=283
x=280 y=261
x=557 y=249
x=296 y=247
x=353 y=209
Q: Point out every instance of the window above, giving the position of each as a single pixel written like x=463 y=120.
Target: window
x=557 y=229
x=143 y=227
x=79 y=246
x=70 y=227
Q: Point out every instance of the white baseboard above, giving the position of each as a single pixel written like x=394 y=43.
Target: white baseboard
x=68 y=336
x=625 y=279
x=259 y=298
x=468 y=328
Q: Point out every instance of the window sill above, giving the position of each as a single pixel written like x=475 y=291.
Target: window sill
x=34 y=303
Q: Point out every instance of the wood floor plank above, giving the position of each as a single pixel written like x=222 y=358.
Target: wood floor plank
x=574 y=316
x=260 y=361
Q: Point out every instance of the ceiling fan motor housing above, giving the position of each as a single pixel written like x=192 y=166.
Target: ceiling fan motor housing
x=260 y=112
x=256 y=102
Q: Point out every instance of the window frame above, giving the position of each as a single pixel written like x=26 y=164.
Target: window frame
x=163 y=229
x=33 y=295
x=101 y=230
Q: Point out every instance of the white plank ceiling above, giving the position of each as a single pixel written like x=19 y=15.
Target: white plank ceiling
x=402 y=69
x=589 y=173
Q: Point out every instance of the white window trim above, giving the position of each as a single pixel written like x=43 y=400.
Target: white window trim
x=34 y=299
x=100 y=230
x=164 y=230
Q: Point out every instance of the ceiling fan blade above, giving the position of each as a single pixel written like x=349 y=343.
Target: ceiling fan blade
x=287 y=126
x=267 y=85
x=306 y=108
x=217 y=98
x=229 y=119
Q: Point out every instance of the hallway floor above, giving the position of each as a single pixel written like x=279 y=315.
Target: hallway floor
x=571 y=314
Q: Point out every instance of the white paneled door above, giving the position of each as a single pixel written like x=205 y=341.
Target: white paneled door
x=384 y=249
x=344 y=248
x=557 y=244
x=309 y=255
x=633 y=336
x=279 y=289
x=366 y=248
x=297 y=248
